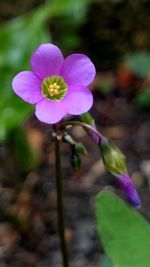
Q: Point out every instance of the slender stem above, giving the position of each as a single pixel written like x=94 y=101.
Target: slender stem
x=60 y=210
x=96 y=136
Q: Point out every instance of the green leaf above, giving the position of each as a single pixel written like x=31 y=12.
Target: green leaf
x=105 y=262
x=124 y=233
x=139 y=63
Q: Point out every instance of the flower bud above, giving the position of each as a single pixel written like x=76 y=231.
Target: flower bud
x=75 y=161
x=68 y=139
x=113 y=158
x=80 y=148
x=127 y=186
x=114 y=162
x=87 y=118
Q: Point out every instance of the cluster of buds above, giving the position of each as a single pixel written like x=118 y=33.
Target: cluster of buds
x=114 y=161
x=77 y=148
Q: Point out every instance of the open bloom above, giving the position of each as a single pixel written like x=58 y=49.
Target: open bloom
x=56 y=86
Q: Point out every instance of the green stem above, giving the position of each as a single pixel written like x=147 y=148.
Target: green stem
x=60 y=209
x=89 y=129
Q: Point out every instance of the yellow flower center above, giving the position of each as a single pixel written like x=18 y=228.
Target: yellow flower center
x=54 y=88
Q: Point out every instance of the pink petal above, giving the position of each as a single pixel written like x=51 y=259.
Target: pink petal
x=50 y=111
x=46 y=60
x=78 y=69
x=78 y=100
x=27 y=86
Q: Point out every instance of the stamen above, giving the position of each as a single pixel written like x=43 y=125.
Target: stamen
x=51 y=90
x=56 y=92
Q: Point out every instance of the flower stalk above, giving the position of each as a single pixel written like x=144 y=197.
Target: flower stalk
x=113 y=159
x=60 y=208
x=95 y=135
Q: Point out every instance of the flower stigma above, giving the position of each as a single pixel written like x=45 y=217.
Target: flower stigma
x=54 y=88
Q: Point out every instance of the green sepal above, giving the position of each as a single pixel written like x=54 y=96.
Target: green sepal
x=113 y=158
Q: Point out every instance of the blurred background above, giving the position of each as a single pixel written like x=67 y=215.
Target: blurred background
x=115 y=34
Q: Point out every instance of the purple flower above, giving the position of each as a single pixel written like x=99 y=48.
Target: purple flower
x=127 y=186
x=56 y=86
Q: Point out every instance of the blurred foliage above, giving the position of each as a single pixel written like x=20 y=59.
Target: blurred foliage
x=139 y=63
x=113 y=28
x=105 y=84
x=18 y=39
x=22 y=153
x=142 y=98
x=14 y=8
x=124 y=233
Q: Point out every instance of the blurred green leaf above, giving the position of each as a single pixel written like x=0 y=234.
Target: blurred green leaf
x=124 y=233
x=105 y=85
x=18 y=39
x=75 y=9
x=24 y=157
x=139 y=63
x=142 y=99
x=13 y=112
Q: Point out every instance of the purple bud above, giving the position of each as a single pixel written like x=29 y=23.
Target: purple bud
x=129 y=189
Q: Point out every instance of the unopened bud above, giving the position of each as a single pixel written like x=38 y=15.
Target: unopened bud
x=75 y=161
x=113 y=158
x=87 y=118
x=80 y=148
x=68 y=139
x=127 y=186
